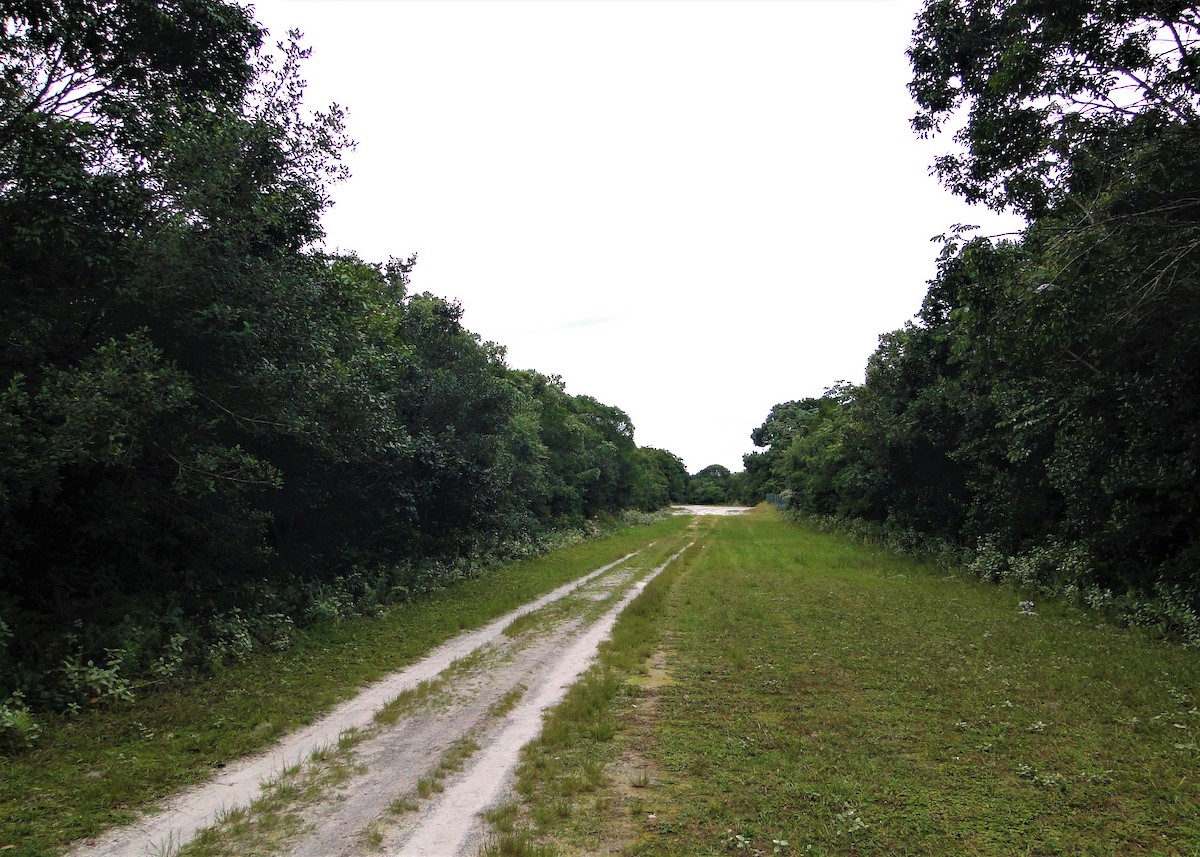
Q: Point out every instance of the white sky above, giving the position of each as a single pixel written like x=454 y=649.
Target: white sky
x=689 y=210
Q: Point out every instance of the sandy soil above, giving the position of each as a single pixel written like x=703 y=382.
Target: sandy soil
x=367 y=796
x=709 y=510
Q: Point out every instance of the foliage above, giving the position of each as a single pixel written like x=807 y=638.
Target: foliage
x=211 y=430
x=1041 y=408
x=710 y=486
x=662 y=479
x=1057 y=95
x=19 y=729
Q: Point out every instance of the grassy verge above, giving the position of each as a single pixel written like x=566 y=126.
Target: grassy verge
x=825 y=698
x=100 y=769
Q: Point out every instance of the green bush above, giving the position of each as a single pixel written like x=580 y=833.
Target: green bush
x=18 y=727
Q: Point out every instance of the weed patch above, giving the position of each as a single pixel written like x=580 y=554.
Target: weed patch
x=507 y=702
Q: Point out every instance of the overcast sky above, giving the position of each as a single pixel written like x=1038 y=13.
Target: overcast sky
x=689 y=210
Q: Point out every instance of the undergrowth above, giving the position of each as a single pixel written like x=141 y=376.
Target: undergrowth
x=1051 y=569
x=151 y=640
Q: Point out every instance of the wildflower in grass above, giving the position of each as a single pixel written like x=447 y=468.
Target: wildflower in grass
x=1025 y=608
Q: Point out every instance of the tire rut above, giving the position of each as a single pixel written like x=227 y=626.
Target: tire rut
x=334 y=788
x=452 y=826
x=395 y=760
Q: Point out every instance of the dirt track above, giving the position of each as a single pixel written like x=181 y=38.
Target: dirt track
x=354 y=783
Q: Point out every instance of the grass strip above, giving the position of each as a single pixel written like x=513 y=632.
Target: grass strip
x=435 y=693
x=831 y=699
x=563 y=770
x=276 y=816
x=100 y=769
x=593 y=599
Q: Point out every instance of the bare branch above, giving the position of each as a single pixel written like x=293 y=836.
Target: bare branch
x=1081 y=361
x=1154 y=93
x=245 y=419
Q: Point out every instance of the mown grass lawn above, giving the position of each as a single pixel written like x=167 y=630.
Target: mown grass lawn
x=91 y=772
x=845 y=701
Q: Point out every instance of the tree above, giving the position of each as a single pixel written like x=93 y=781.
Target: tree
x=105 y=68
x=1058 y=95
x=710 y=485
x=608 y=456
x=210 y=428
x=1042 y=407
x=455 y=399
x=1079 y=342
x=168 y=340
x=661 y=478
x=768 y=470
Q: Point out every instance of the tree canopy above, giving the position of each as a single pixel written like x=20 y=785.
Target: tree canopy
x=1042 y=408
x=1057 y=95
x=210 y=429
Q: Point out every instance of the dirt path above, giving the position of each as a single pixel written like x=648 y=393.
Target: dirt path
x=720 y=511
x=406 y=767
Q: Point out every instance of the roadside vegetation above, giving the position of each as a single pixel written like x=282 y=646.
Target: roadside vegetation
x=1040 y=416
x=213 y=433
x=95 y=770
x=810 y=695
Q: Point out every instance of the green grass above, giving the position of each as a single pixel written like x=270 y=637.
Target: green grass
x=454 y=757
x=846 y=701
x=420 y=698
x=99 y=769
x=562 y=773
x=452 y=760
x=547 y=617
x=402 y=805
x=507 y=702
x=593 y=599
x=373 y=837
x=516 y=845
x=433 y=693
x=277 y=815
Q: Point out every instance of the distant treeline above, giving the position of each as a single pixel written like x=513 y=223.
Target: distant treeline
x=1042 y=412
x=211 y=432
